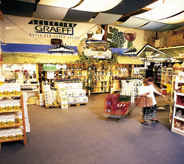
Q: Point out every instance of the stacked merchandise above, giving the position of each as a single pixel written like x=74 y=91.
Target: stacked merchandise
x=12 y=118
x=117 y=104
x=11 y=133
x=131 y=88
x=73 y=92
x=62 y=99
x=26 y=118
x=49 y=95
x=40 y=101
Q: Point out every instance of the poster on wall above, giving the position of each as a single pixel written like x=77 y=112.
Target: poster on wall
x=118 y=39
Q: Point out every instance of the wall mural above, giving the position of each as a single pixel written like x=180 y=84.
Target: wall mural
x=118 y=39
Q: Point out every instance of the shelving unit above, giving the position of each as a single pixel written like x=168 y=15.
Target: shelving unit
x=157 y=75
x=97 y=76
x=16 y=124
x=177 y=125
x=166 y=76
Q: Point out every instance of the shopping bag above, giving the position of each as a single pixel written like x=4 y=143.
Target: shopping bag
x=144 y=101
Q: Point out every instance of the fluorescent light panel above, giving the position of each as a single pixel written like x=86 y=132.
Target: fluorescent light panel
x=97 y=5
x=60 y=3
x=133 y=22
x=163 y=11
x=104 y=18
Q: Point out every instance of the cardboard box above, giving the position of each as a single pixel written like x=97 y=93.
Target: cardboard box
x=28 y=129
x=41 y=96
x=3 y=134
x=64 y=98
x=70 y=100
x=19 y=132
x=64 y=106
x=69 y=93
x=11 y=133
x=41 y=102
x=3 y=119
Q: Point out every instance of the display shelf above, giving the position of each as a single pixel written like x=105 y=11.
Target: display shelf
x=179 y=118
x=9 y=96
x=176 y=130
x=11 y=126
x=36 y=90
x=177 y=110
x=179 y=94
x=29 y=84
x=16 y=124
x=10 y=111
x=179 y=106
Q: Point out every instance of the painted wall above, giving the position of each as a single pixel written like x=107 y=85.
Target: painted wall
x=17 y=30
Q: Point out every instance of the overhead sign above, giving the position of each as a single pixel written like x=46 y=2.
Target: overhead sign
x=53 y=67
x=52 y=27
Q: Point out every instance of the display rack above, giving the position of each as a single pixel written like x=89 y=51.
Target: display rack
x=157 y=75
x=166 y=76
x=14 y=138
x=177 y=125
x=95 y=77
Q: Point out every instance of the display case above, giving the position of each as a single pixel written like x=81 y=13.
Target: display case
x=177 y=125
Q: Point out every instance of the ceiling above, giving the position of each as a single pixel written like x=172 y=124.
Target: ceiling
x=137 y=14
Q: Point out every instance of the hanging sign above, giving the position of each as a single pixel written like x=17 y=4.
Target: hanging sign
x=53 y=67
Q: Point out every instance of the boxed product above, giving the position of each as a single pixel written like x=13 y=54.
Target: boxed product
x=61 y=93
x=16 y=88
x=82 y=92
x=69 y=93
x=70 y=100
x=1 y=89
x=2 y=107
x=7 y=89
x=64 y=98
x=11 y=133
x=18 y=117
x=83 y=99
x=48 y=102
x=8 y=105
x=10 y=119
x=28 y=129
x=41 y=102
x=27 y=121
x=75 y=100
x=26 y=114
x=64 y=105
x=67 y=85
x=2 y=120
x=75 y=92
x=32 y=100
x=61 y=89
x=41 y=97
x=19 y=132
x=3 y=134
x=16 y=104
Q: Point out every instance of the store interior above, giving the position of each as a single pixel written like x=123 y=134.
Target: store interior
x=68 y=86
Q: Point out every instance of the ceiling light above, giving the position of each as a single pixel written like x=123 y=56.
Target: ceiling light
x=97 y=5
x=59 y=3
x=163 y=11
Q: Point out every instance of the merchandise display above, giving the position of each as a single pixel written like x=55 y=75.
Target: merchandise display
x=14 y=120
x=178 y=110
x=131 y=88
x=70 y=93
x=117 y=104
